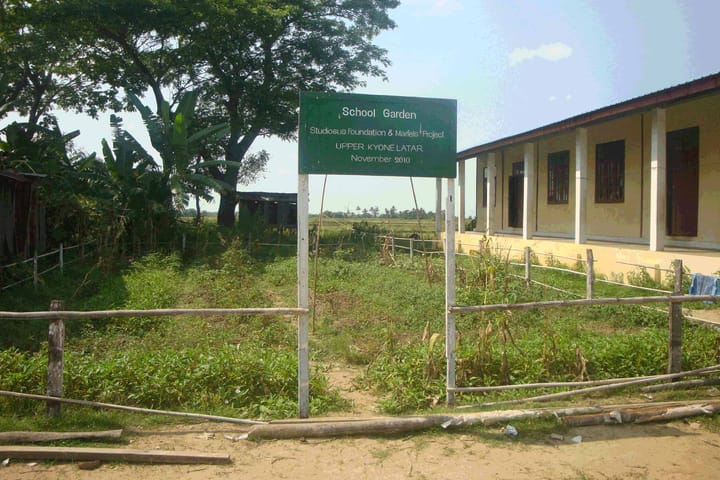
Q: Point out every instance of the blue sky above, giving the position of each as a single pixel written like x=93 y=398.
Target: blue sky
x=512 y=65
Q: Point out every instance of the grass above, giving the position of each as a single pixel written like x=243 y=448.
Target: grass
x=372 y=310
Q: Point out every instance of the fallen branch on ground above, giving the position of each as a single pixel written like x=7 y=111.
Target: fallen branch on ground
x=393 y=425
x=22 y=437
x=112 y=455
x=640 y=381
x=651 y=413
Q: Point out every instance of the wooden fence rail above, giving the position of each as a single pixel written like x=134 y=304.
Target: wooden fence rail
x=586 y=302
x=56 y=339
x=675 y=299
x=160 y=312
x=35 y=260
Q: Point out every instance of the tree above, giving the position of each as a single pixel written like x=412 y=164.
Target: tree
x=248 y=59
x=40 y=68
x=272 y=50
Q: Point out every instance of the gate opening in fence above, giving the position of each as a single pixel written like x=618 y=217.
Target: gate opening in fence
x=353 y=134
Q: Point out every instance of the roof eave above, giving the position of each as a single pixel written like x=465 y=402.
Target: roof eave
x=703 y=86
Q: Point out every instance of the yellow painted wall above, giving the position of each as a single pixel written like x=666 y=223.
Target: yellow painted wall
x=617 y=219
x=630 y=219
x=555 y=218
x=704 y=113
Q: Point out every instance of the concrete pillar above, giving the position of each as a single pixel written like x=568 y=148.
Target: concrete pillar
x=461 y=185
x=438 y=207
x=479 y=170
x=490 y=211
x=658 y=175
x=581 y=154
x=529 y=192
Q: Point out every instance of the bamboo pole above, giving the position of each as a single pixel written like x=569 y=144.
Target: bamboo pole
x=583 y=302
x=26 y=437
x=393 y=425
x=700 y=382
x=339 y=429
x=523 y=386
x=112 y=455
x=629 y=383
x=682 y=412
x=159 y=312
x=645 y=414
x=527 y=266
x=111 y=406
x=675 y=335
x=590 y=267
x=591 y=383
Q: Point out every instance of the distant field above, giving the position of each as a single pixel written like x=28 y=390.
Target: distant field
x=399 y=226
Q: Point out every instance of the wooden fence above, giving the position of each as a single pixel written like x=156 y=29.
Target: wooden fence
x=56 y=259
x=56 y=347
x=674 y=298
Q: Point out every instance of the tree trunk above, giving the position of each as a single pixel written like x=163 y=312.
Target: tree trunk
x=198 y=213
x=226 y=210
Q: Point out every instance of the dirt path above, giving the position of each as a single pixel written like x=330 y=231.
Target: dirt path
x=344 y=378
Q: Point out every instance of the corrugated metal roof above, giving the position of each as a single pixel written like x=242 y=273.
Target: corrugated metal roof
x=21 y=177
x=684 y=91
x=267 y=196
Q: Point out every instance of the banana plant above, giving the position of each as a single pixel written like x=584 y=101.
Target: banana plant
x=133 y=186
x=175 y=137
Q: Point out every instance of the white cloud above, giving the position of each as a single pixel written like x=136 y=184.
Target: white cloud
x=552 y=98
x=549 y=51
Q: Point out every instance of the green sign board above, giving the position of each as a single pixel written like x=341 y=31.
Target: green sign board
x=353 y=134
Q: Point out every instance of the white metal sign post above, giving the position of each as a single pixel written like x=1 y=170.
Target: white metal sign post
x=303 y=262
x=351 y=134
x=450 y=291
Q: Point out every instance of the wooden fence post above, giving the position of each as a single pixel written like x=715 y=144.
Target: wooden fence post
x=675 y=337
x=590 y=288
x=412 y=247
x=392 y=245
x=56 y=345
x=184 y=241
x=527 y=266
x=35 y=269
x=62 y=258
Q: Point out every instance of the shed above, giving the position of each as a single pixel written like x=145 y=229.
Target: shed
x=22 y=218
x=277 y=209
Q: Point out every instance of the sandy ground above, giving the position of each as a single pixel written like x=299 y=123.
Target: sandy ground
x=679 y=450
x=672 y=451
